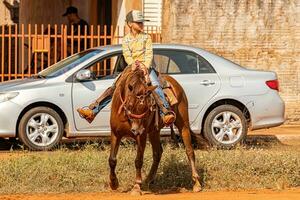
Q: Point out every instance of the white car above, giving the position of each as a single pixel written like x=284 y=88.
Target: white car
x=225 y=99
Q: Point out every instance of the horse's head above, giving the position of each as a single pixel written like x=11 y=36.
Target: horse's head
x=138 y=101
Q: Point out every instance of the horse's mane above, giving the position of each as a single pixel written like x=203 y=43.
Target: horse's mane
x=134 y=78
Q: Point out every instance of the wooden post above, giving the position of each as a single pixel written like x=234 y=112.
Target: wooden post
x=2 y=52
x=55 y=43
x=16 y=51
x=22 y=50
x=35 y=46
x=9 y=52
x=29 y=50
x=42 y=53
x=49 y=47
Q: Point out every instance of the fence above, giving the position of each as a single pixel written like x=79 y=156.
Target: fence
x=25 y=50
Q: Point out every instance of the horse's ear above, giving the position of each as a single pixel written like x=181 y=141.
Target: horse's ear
x=130 y=88
x=151 y=89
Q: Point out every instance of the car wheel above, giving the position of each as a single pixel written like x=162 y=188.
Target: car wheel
x=41 y=128
x=225 y=126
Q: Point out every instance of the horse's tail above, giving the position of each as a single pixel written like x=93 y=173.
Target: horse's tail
x=198 y=141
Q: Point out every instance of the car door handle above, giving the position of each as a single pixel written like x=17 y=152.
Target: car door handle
x=207 y=82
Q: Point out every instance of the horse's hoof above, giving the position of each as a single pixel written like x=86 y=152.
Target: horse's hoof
x=114 y=184
x=149 y=181
x=136 y=193
x=174 y=145
x=136 y=190
x=197 y=188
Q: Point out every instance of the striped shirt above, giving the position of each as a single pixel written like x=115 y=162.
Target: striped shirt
x=138 y=48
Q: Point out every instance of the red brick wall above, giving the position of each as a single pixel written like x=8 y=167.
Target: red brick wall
x=259 y=34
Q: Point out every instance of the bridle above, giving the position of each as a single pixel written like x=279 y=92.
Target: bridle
x=130 y=115
x=128 y=112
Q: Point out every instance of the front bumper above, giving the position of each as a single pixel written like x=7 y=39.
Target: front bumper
x=9 y=113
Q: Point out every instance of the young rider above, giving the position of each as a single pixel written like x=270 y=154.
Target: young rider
x=138 y=53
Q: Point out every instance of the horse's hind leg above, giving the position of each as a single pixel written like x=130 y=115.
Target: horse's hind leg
x=174 y=141
x=114 y=143
x=157 y=151
x=141 y=144
x=186 y=137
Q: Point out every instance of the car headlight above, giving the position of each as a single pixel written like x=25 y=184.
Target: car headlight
x=8 y=96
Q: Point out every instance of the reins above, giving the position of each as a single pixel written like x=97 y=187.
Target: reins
x=128 y=113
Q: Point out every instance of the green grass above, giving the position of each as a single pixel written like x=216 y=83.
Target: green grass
x=86 y=170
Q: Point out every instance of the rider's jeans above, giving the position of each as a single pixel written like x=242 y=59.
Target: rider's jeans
x=154 y=81
x=100 y=106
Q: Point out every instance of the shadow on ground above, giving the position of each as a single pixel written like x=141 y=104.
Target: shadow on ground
x=174 y=178
x=262 y=141
x=252 y=141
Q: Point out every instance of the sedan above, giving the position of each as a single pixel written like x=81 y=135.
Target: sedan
x=225 y=99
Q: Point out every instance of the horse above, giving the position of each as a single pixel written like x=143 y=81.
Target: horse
x=133 y=115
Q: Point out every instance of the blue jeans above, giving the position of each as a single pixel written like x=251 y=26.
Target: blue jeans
x=154 y=81
x=106 y=100
x=100 y=106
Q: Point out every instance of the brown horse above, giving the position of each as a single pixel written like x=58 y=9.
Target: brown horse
x=133 y=115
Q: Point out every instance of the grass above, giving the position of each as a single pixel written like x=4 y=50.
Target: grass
x=86 y=169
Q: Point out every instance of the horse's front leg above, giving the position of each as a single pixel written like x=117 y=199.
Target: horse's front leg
x=157 y=151
x=114 y=143
x=187 y=140
x=141 y=144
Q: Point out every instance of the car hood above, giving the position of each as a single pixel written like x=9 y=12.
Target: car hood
x=20 y=84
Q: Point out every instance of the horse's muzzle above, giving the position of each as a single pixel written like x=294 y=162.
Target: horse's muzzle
x=137 y=131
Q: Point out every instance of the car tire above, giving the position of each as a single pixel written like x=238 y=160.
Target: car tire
x=40 y=129
x=225 y=127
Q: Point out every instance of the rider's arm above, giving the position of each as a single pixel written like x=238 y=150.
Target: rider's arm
x=126 y=52
x=148 y=52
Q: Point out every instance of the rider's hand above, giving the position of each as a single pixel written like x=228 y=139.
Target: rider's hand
x=134 y=66
x=146 y=73
x=144 y=69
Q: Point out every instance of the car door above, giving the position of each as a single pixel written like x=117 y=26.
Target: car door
x=197 y=77
x=86 y=92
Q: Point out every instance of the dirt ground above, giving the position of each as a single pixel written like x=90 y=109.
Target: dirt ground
x=219 y=195
x=285 y=135
x=289 y=135
x=291 y=131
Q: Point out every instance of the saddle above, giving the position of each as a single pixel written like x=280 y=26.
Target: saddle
x=168 y=90
x=167 y=87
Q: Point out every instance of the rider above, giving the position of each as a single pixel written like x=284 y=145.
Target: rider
x=138 y=53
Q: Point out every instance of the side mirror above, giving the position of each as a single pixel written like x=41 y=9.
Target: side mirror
x=83 y=75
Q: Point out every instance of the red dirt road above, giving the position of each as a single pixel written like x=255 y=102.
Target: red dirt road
x=220 y=195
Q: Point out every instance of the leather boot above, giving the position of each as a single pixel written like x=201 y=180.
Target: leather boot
x=88 y=113
x=168 y=116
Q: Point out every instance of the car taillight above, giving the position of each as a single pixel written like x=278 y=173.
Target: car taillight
x=273 y=84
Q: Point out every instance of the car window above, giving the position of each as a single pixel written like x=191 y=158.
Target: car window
x=204 y=66
x=104 y=68
x=68 y=63
x=164 y=64
x=120 y=64
x=180 y=62
x=175 y=62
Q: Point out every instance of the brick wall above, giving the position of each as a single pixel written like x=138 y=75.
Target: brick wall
x=5 y=14
x=259 y=34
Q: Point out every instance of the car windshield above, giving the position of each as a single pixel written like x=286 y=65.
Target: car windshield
x=67 y=64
